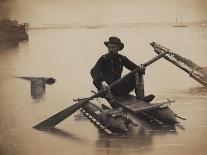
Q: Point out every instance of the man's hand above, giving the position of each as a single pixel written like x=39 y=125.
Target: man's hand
x=142 y=69
x=105 y=86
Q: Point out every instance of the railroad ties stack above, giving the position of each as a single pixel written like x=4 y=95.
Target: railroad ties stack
x=95 y=121
x=11 y=32
x=195 y=71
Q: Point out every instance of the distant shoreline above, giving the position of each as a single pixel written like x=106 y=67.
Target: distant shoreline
x=110 y=25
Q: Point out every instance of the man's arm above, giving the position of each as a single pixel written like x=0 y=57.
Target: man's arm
x=96 y=73
x=131 y=66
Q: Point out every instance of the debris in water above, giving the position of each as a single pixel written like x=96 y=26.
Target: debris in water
x=38 y=85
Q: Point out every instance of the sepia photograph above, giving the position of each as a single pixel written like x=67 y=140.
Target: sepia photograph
x=103 y=77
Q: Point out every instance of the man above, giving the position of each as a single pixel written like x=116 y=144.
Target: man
x=109 y=68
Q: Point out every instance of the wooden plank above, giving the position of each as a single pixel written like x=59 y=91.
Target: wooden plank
x=136 y=106
x=131 y=103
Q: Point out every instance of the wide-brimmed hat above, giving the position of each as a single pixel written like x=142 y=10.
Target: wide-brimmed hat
x=115 y=40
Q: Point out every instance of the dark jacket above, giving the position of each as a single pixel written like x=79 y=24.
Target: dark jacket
x=109 y=68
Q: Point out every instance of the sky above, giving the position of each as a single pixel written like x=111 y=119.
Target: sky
x=104 y=11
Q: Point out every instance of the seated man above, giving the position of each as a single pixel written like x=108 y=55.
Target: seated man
x=109 y=68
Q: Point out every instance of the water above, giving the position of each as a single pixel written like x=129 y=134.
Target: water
x=68 y=54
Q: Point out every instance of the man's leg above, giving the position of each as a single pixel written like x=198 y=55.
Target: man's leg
x=139 y=89
x=107 y=95
x=139 y=86
x=111 y=99
x=124 y=88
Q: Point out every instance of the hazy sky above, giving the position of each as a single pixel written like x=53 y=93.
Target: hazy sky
x=105 y=11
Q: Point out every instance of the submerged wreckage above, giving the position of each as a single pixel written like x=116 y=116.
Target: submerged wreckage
x=117 y=120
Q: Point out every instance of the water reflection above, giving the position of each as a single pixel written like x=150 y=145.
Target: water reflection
x=8 y=46
x=38 y=85
x=8 y=138
x=198 y=90
x=141 y=138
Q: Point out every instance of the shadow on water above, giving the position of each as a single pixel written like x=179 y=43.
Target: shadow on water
x=63 y=134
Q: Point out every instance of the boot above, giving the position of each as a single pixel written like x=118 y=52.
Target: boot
x=148 y=98
x=140 y=96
